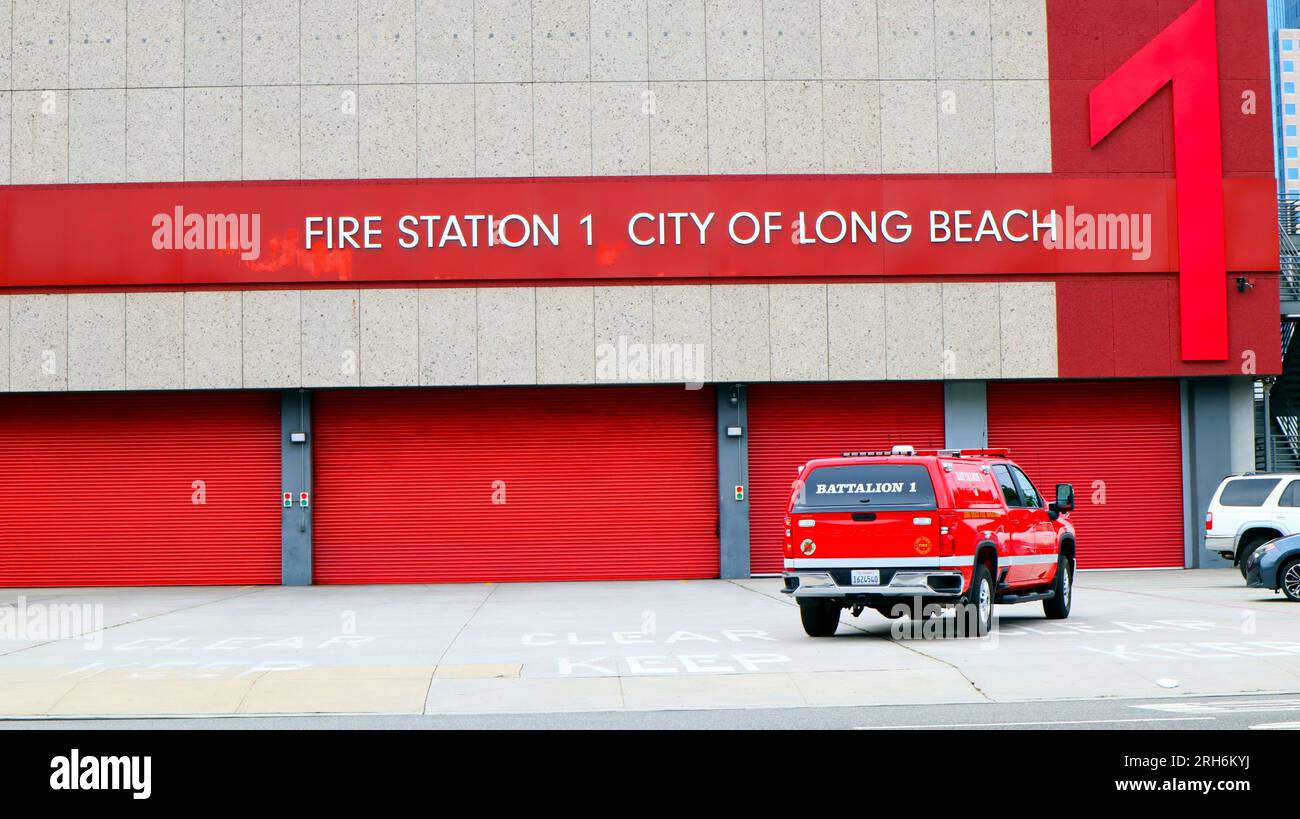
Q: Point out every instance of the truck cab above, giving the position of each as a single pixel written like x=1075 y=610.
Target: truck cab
x=906 y=532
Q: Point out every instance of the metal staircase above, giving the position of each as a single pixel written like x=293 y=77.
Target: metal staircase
x=1277 y=399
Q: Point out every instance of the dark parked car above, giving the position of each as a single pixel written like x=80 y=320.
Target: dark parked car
x=1276 y=565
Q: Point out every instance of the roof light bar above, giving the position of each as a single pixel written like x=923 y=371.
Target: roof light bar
x=907 y=451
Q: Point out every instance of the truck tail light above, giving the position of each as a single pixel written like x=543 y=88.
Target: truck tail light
x=948 y=534
x=1209 y=521
x=787 y=546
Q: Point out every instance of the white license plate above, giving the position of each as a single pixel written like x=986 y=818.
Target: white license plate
x=865 y=577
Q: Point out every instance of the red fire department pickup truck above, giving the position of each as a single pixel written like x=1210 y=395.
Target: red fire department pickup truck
x=906 y=533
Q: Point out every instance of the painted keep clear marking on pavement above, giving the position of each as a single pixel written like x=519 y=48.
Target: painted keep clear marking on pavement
x=1145 y=651
x=1222 y=706
x=1074 y=628
x=268 y=653
x=1206 y=650
x=1276 y=726
x=607 y=654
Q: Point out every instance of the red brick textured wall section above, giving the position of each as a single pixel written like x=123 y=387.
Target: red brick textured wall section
x=1087 y=41
x=1110 y=326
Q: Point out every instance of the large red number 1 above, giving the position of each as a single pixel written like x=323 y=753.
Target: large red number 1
x=1186 y=54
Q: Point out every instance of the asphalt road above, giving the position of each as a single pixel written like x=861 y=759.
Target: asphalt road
x=1272 y=711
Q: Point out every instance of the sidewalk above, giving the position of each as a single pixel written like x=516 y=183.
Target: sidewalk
x=617 y=646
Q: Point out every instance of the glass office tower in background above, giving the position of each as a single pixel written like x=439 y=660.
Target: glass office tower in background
x=1284 y=47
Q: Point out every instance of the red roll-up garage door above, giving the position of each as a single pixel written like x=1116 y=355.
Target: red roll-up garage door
x=791 y=423
x=104 y=489
x=515 y=484
x=1120 y=444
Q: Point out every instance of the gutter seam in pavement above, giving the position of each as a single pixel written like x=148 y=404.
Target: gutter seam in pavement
x=428 y=689
x=903 y=646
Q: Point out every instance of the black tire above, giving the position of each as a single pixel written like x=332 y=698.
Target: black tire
x=1247 y=550
x=1289 y=580
x=979 y=601
x=1057 y=607
x=820 y=617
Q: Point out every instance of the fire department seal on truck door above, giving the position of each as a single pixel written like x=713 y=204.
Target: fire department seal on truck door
x=923 y=545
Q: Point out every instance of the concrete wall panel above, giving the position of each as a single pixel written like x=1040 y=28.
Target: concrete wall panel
x=507 y=335
x=741 y=348
x=97 y=341
x=448 y=336
x=390 y=344
x=38 y=343
x=565 y=335
x=619 y=49
x=459 y=88
x=155 y=46
x=971 y=331
x=4 y=343
x=213 y=42
x=913 y=350
x=97 y=135
x=155 y=341
x=516 y=335
x=444 y=49
x=97 y=45
x=271 y=44
x=797 y=329
x=214 y=343
x=679 y=128
x=624 y=325
x=39 y=144
x=272 y=338
x=683 y=321
x=40 y=43
x=331 y=338
x=155 y=134
x=1028 y=326
x=387 y=45
x=328 y=44
x=856 y=331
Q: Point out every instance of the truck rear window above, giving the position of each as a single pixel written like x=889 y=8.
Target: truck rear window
x=1247 y=492
x=895 y=486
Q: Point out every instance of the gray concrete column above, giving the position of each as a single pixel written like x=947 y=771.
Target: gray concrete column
x=295 y=477
x=965 y=415
x=1207 y=459
x=1241 y=423
x=733 y=471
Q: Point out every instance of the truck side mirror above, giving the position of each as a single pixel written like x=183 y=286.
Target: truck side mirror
x=1064 y=499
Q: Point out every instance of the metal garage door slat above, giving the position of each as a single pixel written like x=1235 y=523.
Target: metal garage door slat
x=96 y=490
x=1125 y=434
x=601 y=483
x=791 y=423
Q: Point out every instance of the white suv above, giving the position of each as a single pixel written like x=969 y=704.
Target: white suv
x=1248 y=511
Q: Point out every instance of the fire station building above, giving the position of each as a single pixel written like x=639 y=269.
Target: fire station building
x=479 y=290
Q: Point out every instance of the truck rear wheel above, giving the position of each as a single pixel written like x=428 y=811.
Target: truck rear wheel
x=820 y=617
x=980 y=601
x=1057 y=607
